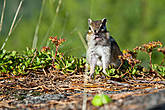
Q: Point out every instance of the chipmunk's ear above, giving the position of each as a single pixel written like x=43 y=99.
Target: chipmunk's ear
x=89 y=21
x=104 y=21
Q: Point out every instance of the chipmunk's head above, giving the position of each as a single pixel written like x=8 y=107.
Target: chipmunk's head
x=98 y=26
x=97 y=32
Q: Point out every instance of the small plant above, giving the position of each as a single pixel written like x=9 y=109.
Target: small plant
x=45 y=49
x=101 y=99
x=130 y=57
x=67 y=64
x=113 y=73
x=162 y=50
x=13 y=63
x=148 y=48
x=57 y=43
x=160 y=69
x=131 y=65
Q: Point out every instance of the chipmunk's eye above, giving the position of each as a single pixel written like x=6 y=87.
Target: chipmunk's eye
x=102 y=28
x=89 y=28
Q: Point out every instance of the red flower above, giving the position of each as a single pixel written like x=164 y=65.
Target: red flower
x=45 y=49
x=56 y=41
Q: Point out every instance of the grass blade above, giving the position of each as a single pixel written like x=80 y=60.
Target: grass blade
x=11 y=28
x=52 y=24
x=83 y=40
x=2 y=15
x=35 y=40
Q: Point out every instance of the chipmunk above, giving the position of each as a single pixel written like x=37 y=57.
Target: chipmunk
x=102 y=50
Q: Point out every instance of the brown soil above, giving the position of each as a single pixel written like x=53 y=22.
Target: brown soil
x=54 y=90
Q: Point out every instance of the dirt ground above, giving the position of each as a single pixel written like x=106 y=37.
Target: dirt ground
x=56 y=91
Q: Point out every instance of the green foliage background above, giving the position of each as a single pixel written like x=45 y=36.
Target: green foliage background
x=131 y=22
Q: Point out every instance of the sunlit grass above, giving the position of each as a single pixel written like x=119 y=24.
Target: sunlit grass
x=2 y=15
x=35 y=38
x=12 y=25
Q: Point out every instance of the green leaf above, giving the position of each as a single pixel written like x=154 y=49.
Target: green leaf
x=116 y=76
x=111 y=72
x=13 y=53
x=100 y=99
x=97 y=100
x=134 y=71
x=3 y=69
x=105 y=99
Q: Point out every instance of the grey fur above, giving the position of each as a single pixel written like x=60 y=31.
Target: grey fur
x=102 y=48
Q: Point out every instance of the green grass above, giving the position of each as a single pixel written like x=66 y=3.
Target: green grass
x=63 y=18
x=15 y=63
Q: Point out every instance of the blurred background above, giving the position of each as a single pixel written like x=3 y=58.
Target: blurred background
x=130 y=22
